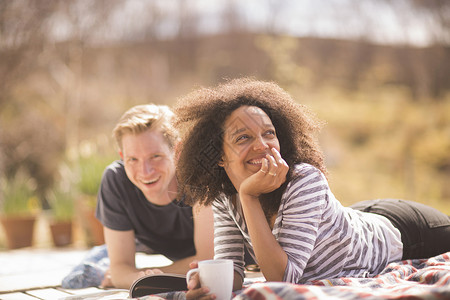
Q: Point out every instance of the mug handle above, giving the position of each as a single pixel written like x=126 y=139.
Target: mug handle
x=189 y=274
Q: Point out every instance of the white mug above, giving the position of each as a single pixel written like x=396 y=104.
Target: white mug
x=217 y=275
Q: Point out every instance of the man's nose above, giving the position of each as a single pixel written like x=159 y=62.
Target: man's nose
x=147 y=167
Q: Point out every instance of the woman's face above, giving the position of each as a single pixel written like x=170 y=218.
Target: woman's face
x=248 y=137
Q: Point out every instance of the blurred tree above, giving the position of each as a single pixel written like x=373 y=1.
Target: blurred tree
x=426 y=72
x=24 y=133
x=40 y=83
x=69 y=68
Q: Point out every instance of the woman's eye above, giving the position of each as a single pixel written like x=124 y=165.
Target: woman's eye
x=241 y=138
x=270 y=132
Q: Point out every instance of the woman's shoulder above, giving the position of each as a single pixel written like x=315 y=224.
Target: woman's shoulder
x=304 y=169
x=305 y=174
x=222 y=200
x=307 y=180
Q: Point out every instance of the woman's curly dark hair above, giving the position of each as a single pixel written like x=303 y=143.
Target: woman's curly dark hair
x=200 y=117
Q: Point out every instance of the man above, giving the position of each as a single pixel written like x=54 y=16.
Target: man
x=138 y=203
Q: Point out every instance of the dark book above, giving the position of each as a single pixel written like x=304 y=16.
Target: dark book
x=158 y=283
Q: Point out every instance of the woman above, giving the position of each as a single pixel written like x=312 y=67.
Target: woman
x=249 y=150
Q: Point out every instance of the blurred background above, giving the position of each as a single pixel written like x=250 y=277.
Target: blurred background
x=376 y=71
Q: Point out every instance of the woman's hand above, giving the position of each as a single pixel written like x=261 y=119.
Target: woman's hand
x=195 y=291
x=270 y=177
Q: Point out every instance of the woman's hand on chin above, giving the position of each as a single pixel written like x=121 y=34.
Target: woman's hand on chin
x=270 y=177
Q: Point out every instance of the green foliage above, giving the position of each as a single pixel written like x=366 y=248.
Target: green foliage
x=19 y=196
x=383 y=139
x=62 y=203
x=379 y=144
x=90 y=159
x=91 y=170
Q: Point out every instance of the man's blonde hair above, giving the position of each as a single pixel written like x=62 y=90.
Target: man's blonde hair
x=141 y=118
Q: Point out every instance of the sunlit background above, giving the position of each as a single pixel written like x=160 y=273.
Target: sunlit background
x=376 y=71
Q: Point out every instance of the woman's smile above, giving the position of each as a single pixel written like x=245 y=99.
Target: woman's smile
x=249 y=136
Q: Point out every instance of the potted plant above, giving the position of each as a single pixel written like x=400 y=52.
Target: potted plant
x=91 y=169
x=19 y=209
x=62 y=212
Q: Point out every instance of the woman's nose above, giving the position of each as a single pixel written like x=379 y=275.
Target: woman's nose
x=260 y=144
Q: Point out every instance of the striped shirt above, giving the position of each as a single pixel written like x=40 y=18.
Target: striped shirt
x=321 y=238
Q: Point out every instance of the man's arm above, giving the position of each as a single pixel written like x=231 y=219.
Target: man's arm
x=121 y=251
x=203 y=239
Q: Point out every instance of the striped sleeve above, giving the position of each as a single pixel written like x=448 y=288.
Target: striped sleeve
x=303 y=204
x=228 y=239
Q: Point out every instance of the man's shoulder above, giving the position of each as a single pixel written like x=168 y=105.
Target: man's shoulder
x=116 y=165
x=116 y=168
x=115 y=174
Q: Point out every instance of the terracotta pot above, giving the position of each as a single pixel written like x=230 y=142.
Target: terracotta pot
x=19 y=230
x=95 y=228
x=61 y=233
x=91 y=225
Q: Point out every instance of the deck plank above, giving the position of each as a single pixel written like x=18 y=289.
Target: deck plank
x=24 y=269
x=30 y=273
x=17 y=296
x=115 y=294
x=48 y=294
x=88 y=290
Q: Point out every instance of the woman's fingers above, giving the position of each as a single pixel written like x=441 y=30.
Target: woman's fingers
x=194 y=282
x=272 y=165
x=283 y=167
x=279 y=159
x=272 y=174
x=264 y=166
x=195 y=291
x=200 y=293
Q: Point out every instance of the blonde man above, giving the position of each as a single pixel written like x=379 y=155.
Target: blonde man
x=138 y=203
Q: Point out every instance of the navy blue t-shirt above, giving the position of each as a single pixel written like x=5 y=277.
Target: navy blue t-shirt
x=168 y=230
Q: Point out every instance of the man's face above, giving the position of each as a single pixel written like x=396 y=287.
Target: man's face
x=149 y=164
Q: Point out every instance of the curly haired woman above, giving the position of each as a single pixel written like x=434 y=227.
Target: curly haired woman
x=249 y=150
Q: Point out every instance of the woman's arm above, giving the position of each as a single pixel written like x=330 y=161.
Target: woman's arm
x=271 y=257
x=203 y=239
x=304 y=207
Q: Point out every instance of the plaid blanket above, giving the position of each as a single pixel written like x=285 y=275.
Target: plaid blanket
x=408 y=279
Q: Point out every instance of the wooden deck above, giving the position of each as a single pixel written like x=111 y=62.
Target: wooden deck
x=55 y=293
x=37 y=274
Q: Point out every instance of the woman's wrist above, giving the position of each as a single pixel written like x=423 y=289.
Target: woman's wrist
x=244 y=196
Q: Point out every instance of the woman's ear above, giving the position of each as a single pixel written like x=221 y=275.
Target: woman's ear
x=221 y=163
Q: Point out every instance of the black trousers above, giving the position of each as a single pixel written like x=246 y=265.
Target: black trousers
x=425 y=231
